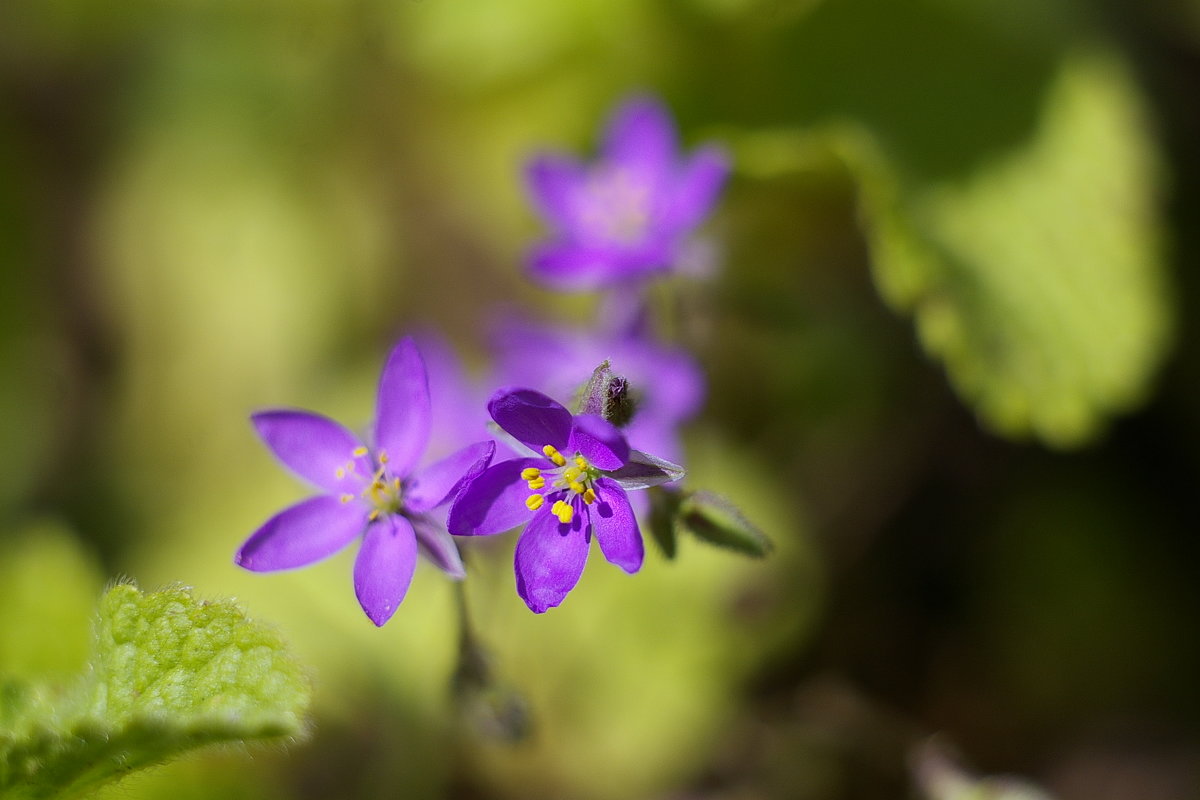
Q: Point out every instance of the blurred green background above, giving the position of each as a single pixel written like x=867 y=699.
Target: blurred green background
x=953 y=374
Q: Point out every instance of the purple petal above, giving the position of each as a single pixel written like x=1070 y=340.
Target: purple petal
x=438 y=546
x=641 y=137
x=302 y=534
x=624 y=313
x=567 y=266
x=549 y=560
x=598 y=441
x=639 y=502
x=532 y=418
x=457 y=406
x=314 y=447
x=616 y=527
x=402 y=412
x=696 y=188
x=384 y=567
x=435 y=484
x=494 y=501
x=678 y=380
x=554 y=182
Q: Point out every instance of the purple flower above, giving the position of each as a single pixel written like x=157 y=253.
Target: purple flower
x=627 y=217
x=569 y=492
x=667 y=384
x=374 y=491
x=458 y=416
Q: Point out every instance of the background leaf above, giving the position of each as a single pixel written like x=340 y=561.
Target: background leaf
x=1036 y=278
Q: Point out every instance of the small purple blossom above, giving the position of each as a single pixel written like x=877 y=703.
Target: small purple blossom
x=374 y=491
x=667 y=384
x=628 y=216
x=567 y=493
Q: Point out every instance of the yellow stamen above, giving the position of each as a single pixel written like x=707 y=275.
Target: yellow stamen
x=552 y=453
x=374 y=515
x=396 y=484
x=529 y=473
x=581 y=462
x=383 y=459
x=359 y=452
x=534 y=501
x=576 y=487
x=346 y=498
x=565 y=513
x=571 y=474
x=537 y=482
x=340 y=472
x=589 y=497
x=557 y=505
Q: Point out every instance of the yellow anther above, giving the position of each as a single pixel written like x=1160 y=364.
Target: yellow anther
x=374 y=515
x=552 y=453
x=537 y=483
x=359 y=452
x=557 y=505
x=340 y=472
x=571 y=474
x=346 y=498
x=534 y=501
x=396 y=484
x=529 y=473
x=576 y=487
x=581 y=462
x=383 y=459
x=589 y=496
x=565 y=513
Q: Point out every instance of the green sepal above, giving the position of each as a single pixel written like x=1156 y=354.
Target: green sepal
x=607 y=395
x=664 y=509
x=713 y=519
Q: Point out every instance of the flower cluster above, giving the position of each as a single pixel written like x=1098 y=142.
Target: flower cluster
x=618 y=223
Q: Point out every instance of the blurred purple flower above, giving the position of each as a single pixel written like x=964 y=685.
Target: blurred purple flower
x=667 y=384
x=569 y=492
x=627 y=217
x=375 y=491
x=458 y=416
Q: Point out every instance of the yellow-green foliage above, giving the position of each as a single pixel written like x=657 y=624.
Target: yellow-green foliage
x=1036 y=278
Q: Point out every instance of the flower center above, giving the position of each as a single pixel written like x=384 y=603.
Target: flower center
x=383 y=492
x=570 y=483
x=616 y=205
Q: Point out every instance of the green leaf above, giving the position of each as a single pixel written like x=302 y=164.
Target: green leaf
x=168 y=674
x=713 y=519
x=1037 y=277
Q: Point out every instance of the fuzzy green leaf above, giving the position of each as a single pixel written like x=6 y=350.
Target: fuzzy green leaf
x=168 y=674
